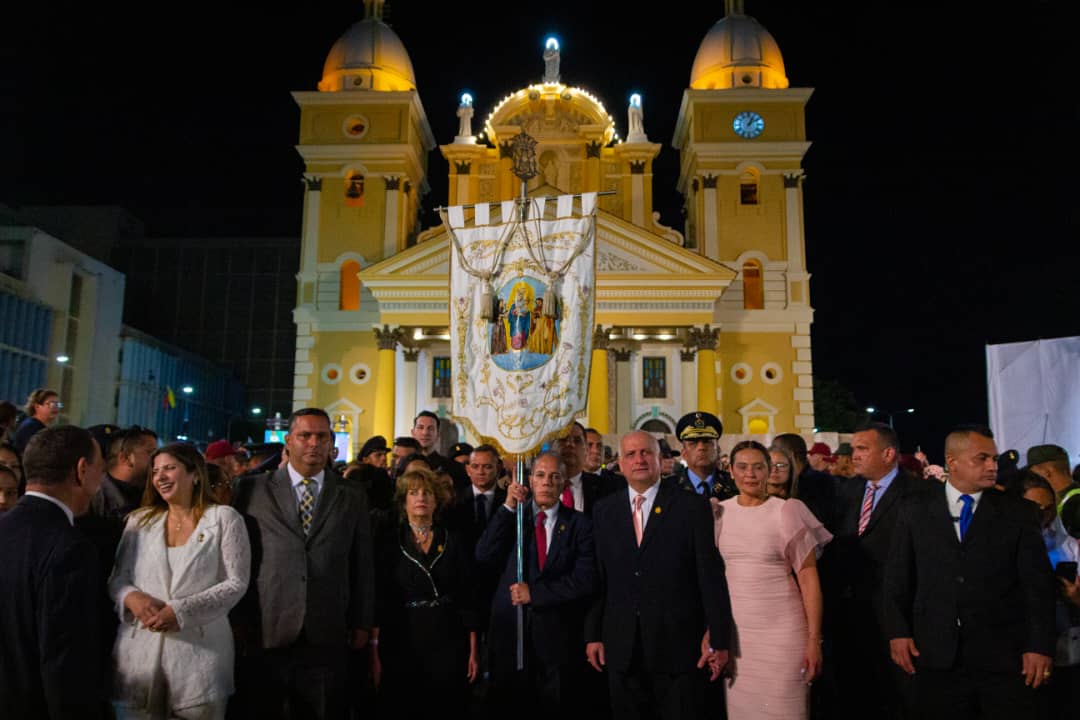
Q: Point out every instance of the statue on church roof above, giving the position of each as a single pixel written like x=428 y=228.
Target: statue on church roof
x=636 y=122
x=551 y=61
x=465 y=113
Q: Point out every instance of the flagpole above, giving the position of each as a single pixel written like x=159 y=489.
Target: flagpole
x=520 y=477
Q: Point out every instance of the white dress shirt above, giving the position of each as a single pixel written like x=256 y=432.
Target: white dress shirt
x=551 y=516
x=54 y=501
x=646 y=507
x=297 y=484
x=956 y=505
x=577 y=492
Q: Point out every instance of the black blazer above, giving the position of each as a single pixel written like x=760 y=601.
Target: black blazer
x=669 y=590
x=50 y=663
x=559 y=594
x=980 y=603
x=856 y=564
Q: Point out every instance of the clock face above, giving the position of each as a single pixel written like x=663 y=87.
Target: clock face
x=748 y=124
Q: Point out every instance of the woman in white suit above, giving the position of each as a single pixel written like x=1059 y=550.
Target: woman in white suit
x=182 y=564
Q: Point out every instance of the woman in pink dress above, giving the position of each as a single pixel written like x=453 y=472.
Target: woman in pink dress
x=770 y=546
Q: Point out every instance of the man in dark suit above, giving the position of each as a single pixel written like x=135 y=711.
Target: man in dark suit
x=559 y=579
x=312 y=570
x=582 y=489
x=867 y=682
x=425 y=430
x=50 y=662
x=662 y=612
x=969 y=594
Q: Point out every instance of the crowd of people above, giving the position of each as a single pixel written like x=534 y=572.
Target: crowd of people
x=150 y=579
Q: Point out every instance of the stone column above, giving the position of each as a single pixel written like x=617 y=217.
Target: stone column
x=637 y=192
x=706 y=340
x=309 y=262
x=798 y=290
x=390 y=223
x=405 y=396
x=387 y=340
x=623 y=396
x=598 y=382
x=689 y=380
x=709 y=219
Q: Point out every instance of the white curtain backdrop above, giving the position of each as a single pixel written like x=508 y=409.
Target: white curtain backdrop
x=1034 y=391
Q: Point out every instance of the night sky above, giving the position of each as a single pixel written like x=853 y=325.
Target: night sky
x=941 y=210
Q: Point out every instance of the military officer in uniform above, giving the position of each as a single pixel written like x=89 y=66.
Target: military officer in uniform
x=699 y=433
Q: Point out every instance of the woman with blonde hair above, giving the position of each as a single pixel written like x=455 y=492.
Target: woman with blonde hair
x=427 y=614
x=183 y=563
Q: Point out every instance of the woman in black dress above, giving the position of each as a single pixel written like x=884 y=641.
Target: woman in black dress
x=426 y=613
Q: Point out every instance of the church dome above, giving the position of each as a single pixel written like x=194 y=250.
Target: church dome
x=738 y=52
x=369 y=56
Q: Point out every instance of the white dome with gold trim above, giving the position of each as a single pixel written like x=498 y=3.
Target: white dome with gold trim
x=738 y=52
x=369 y=56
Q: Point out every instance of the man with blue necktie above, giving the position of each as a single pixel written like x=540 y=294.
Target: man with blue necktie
x=699 y=432
x=969 y=594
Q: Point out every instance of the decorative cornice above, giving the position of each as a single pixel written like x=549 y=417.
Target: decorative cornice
x=463 y=167
x=387 y=338
x=314 y=184
x=709 y=182
x=621 y=354
x=637 y=167
x=600 y=338
x=392 y=183
x=592 y=150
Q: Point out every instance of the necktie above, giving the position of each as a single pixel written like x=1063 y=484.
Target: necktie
x=568 y=496
x=541 y=539
x=481 y=511
x=307 y=503
x=639 y=521
x=867 y=506
x=966 y=514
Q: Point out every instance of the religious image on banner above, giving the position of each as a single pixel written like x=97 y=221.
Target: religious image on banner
x=521 y=317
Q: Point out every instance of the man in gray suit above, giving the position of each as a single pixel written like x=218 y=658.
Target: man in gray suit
x=313 y=573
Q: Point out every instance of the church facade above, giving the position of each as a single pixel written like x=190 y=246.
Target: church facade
x=716 y=318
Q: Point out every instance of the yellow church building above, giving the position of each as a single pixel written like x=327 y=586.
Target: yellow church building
x=715 y=319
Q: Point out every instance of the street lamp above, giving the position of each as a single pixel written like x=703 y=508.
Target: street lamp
x=871 y=409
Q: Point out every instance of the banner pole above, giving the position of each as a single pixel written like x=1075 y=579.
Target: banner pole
x=520 y=477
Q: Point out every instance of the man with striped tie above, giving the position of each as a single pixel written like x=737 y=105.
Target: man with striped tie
x=867 y=683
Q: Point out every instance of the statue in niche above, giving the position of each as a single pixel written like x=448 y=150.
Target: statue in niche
x=465 y=113
x=635 y=121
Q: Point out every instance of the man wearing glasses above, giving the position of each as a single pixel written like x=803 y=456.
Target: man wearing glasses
x=42 y=409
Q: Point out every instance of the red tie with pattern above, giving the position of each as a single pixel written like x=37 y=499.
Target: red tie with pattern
x=541 y=539
x=568 y=497
x=867 y=506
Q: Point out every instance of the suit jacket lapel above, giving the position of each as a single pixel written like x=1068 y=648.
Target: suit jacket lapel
x=939 y=514
x=324 y=504
x=558 y=537
x=281 y=490
x=983 y=518
x=892 y=493
x=656 y=515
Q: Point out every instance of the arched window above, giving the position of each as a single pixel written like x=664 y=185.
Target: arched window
x=753 y=286
x=350 y=286
x=748 y=188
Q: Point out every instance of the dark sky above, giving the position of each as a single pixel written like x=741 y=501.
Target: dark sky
x=941 y=210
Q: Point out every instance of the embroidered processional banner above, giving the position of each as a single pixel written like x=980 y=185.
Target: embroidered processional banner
x=521 y=318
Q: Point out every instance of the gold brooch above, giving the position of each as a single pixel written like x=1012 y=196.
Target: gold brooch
x=562 y=528
x=439 y=548
x=657 y=510
x=199 y=537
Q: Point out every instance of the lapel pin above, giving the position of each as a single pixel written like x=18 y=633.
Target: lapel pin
x=439 y=548
x=657 y=510
x=199 y=537
x=562 y=528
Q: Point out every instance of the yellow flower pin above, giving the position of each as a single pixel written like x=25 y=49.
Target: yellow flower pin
x=657 y=510
x=439 y=548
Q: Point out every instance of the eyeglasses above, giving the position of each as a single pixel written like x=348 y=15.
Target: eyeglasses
x=54 y=403
x=780 y=466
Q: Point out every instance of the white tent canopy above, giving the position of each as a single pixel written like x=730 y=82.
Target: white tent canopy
x=1034 y=390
